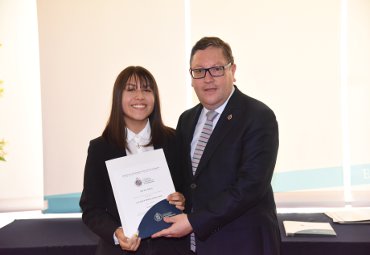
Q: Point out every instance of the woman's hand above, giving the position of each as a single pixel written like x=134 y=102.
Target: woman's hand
x=177 y=199
x=127 y=244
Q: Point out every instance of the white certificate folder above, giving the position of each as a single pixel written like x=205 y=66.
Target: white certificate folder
x=293 y=228
x=141 y=184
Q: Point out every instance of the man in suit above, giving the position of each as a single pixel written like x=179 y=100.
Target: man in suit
x=230 y=205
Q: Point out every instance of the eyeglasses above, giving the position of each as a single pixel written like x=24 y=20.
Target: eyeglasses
x=215 y=71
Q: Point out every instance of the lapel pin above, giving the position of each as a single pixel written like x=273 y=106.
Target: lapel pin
x=230 y=116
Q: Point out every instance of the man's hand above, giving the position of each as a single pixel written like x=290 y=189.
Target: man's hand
x=180 y=227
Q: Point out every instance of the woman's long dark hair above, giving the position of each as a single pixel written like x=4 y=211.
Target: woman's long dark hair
x=115 y=130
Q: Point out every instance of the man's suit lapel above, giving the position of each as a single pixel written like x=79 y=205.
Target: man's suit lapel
x=192 y=122
x=227 y=120
x=189 y=128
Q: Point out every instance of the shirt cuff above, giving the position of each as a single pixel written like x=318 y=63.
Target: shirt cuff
x=115 y=239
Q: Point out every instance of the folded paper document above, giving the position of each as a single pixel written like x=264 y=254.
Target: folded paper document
x=293 y=228
x=353 y=216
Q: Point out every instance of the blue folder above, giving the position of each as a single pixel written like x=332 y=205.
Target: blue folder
x=152 y=221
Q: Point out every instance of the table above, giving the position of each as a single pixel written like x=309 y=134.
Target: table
x=47 y=236
x=71 y=236
x=351 y=239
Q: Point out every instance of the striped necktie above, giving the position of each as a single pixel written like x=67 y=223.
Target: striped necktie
x=203 y=139
x=202 y=142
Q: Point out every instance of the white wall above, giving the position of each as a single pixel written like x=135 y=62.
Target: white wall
x=21 y=176
x=359 y=95
x=84 y=45
x=289 y=54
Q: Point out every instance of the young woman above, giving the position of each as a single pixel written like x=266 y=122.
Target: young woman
x=135 y=125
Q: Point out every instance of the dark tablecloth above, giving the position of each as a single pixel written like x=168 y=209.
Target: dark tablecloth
x=71 y=236
x=47 y=236
x=351 y=239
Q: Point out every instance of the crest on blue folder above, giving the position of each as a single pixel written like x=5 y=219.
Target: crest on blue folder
x=152 y=221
